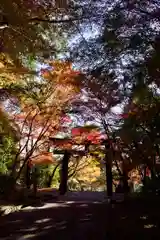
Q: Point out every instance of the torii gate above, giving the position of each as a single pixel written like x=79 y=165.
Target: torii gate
x=68 y=151
x=47 y=158
x=65 y=145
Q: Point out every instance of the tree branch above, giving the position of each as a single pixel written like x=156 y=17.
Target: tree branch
x=153 y=15
x=36 y=19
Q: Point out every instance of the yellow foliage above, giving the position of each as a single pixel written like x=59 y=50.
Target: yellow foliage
x=88 y=170
x=9 y=72
x=63 y=75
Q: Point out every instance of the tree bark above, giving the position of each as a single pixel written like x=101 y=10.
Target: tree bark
x=64 y=173
x=28 y=176
x=144 y=175
x=125 y=182
x=52 y=175
x=109 y=177
x=35 y=181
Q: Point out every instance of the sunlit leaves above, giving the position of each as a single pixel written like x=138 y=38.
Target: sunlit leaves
x=87 y=171
x=42 y=158
x=23 y=34
x=41 y=109
x=63 y=75
x=66 y=119
x=9 y=136
x=88 y=133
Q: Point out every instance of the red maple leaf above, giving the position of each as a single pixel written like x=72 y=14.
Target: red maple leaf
x=124 y=115
x=66 y=119
x=76 y=131
x=148 y=172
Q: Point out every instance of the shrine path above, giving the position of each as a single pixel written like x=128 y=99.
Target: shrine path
x=82 y=217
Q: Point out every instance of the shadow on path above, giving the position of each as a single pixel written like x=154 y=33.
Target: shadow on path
x=134 y=219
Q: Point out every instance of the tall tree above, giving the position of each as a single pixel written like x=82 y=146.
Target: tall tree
x=40 y=108
x=30 y=28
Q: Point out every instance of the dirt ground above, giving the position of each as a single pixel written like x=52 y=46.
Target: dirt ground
x=84 y=219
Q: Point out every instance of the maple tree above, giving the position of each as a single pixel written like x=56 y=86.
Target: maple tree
x=40 y=113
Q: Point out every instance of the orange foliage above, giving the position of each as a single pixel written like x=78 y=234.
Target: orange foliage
x=43 y=158
x=63 y=74
x=42 y=118
x=63 y=143
x=84 y=133
x=135 y=176
x=63 y=86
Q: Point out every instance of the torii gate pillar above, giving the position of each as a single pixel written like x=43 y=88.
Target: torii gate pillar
x=64 y=173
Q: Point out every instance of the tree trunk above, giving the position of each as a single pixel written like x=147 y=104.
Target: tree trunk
x=28 y=176
x=49 y=182
x=153 y=167
x=64 y=173
x=144 y=175
x=35 y=180
x=14 y=166
x=124 y=176
x=109 y=177
x=118 y=168
x=125 y=182
x=21 y=168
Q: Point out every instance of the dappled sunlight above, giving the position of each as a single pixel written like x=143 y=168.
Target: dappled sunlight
x=34 y=224
x=48 y=227
x=143 y=217
x=80 y=216
x=84 y=205
x=61 y=225
x=28 y=236
x=148 y=226
x=43 y=220
x=61 y=204
x=69 y=216
x=31 y=229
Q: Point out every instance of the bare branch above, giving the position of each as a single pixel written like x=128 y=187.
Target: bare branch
x=74 y=171
x=36 y=19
